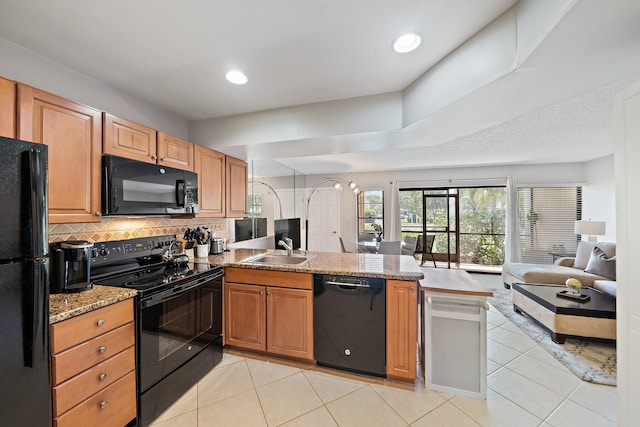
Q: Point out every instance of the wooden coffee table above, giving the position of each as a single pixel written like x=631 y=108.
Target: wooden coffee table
x=565 y=318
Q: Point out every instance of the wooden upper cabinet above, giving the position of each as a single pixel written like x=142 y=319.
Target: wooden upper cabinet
x=236 y=188
x=210 y=167
x=175 y=152
x=73 y=133
x=7 y=108
x=125 y=138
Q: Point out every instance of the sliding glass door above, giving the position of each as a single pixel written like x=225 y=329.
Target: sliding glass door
x=466 y=225
x=440 y=211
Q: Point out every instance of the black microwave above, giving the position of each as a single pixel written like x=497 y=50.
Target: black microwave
x=131 y=187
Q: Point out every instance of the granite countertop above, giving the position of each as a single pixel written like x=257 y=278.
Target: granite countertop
x=398 y=267
x=66 y=306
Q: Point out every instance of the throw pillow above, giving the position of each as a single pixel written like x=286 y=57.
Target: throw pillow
x=583 y=254
x=601 y=265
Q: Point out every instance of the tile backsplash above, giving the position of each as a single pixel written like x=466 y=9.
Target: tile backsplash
x=116 y=228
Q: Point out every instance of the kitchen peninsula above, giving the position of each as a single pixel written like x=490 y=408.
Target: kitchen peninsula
x=269 y=307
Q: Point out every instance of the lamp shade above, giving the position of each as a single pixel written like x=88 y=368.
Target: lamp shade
x=592 y=228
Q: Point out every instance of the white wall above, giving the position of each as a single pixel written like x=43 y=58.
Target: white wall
x=549 y=174
x=627 y=175
x=20 y=64
x=599 y=195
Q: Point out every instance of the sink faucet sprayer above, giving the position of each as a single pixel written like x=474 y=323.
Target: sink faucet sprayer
x=288 y=245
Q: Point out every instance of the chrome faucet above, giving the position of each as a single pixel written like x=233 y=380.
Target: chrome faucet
x=288 y=244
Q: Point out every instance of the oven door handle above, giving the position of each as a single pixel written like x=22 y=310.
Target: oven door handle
x=171 y=293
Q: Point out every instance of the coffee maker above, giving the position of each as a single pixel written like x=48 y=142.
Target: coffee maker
x=70 y=266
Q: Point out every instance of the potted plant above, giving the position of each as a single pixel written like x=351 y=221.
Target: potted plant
x=378 y=230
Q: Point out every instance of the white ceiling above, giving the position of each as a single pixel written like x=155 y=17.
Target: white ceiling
x=555 y=107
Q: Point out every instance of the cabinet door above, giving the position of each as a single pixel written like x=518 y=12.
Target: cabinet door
x=209 y=165
x=245 y=316
x=73 y=133
x=402 y=329
x=290 y=322
x=175 y=152
x=236 y=191
x=128 y=139
x=7 y=108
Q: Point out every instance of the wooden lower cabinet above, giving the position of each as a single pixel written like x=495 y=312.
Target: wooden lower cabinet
x=402 y=329
x=274 y=319
x=93 y=368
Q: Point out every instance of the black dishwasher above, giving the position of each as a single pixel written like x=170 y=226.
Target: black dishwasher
x=349 y=323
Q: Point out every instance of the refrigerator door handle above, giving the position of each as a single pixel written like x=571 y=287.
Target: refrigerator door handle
x=39 y=205
x=35 y=297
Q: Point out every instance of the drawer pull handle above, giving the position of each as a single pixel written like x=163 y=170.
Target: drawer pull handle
x=103 y=404
x=103 y=376
x=102 y=349
x=100 y=322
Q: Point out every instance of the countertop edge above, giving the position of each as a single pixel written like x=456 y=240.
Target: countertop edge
x=66 y=306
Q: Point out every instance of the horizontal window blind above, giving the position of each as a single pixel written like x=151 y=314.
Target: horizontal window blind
x=547 y=217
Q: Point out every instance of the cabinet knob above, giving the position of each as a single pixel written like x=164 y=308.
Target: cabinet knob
x=154 y=157
x=102 y=377
x=100 y=322
x=268 y=293
x=102 y=349
x=103 y=404
x=98 y=213
x=412 y=288
x=261 y=293
x=163 y=158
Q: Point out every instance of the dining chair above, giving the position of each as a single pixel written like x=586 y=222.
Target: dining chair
x=365 y=236
x=410 y=243
x=344 y=250
x=428 y=249
x=390 y=247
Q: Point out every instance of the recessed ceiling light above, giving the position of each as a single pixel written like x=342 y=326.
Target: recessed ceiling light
x=407 y=42
x=236 y=77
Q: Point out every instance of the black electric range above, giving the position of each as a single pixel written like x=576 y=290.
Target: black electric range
x=178 y=316
x=142 y=264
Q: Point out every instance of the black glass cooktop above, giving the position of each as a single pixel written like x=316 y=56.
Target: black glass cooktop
x=154 y=276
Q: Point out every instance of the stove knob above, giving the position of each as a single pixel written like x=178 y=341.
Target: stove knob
x=103 y=252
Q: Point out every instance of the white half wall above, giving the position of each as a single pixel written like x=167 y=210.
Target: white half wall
x=599 y=195
x=35 y=70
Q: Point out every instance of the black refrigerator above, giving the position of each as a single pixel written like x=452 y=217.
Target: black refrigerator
x=25 y=394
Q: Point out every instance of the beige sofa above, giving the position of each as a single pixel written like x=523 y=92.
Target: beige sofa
x=593 y=265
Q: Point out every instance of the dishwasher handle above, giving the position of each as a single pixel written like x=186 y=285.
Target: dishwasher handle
x=352 y=285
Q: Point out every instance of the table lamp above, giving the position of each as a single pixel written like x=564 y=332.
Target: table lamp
x=591 y=228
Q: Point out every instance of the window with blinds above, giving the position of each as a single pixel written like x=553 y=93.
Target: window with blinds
x=547 y=217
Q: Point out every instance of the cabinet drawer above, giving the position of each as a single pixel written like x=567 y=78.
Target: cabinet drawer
x=78 y=329
x=81 y=357
x=283 y=279
x=71 y=392
x=114 y=406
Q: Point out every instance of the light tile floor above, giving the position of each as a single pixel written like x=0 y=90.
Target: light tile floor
x=526 y=387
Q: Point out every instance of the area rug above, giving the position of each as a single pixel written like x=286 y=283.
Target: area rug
x=588 y=360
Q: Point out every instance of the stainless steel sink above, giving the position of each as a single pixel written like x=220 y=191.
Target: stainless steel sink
x=280 y=259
